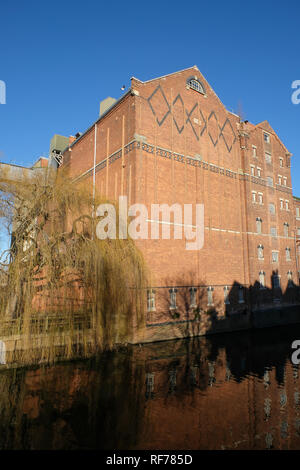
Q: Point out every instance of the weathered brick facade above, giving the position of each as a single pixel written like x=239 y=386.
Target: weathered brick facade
x=171 y=140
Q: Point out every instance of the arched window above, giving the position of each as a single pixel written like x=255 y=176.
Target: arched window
x=193 y=302
x=262 y=281
x=196 y=85
x=260 y=252
x=258 y=225
x=173 y=298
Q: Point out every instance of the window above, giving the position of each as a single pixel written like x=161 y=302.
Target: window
x=266 y=138
x=279 y=179
x=210 y=300
x=274 y=256
x=254 y=154
x=274 y=231
x=298 y=232
x=297 y=211
x=149 y=384
x=194 y=84
x=173 y=298
x=260 y=252
x=281 y=204
x=286 y=229
x=262 y=281
x=253 y=196
x=276 y=281
x=272 y=208
x=258 y=225
x=284 y=181
x=226 y=295
x=193 y=303
x=268 y=157
x=281 y=162
x=258 y=172
x=288 y=254
x=269 y=181
x=290 y=278
x=151 y=300
x=252 y=170
x=241 y=295
x=260 y=198
x=287 y=205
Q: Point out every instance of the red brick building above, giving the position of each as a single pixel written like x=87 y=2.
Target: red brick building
x=171 y=140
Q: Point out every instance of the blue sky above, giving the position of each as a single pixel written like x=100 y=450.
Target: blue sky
x=59 y=59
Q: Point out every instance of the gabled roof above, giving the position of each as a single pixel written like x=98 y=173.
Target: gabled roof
x=268 y=128
x=194 y=67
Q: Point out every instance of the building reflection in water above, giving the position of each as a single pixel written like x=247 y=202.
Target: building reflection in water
x=236 y=391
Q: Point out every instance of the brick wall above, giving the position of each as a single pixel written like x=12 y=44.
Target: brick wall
x=168 y=143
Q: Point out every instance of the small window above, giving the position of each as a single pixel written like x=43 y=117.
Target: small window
x=269 y=181
x=173 y=298
x=254 y=151
x=262 y=281
x=210 y=300
x=226 y=295
x=149 y=384
x=266 y=138
x=241 y=295
x=260 y=198
x=260 y=252
x=276 y=281
x=290 y=278
x=253 y=196
x=193 y=303
x=272 y=208
x=288 y=254
x=286 y=229
x=258 y=172
x=194 y=84
x=297 y=211
x=258 y=225
x=281 y=162
x=284 y=181
x=279 y=179
x=298 y=232
x=287 y=204
x=281 y=204
x=151 y=300
x=252 y=170
x=274 y=256
x=274 y=231
x=268 y=157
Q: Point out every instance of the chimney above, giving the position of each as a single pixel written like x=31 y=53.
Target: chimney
x=106 y=104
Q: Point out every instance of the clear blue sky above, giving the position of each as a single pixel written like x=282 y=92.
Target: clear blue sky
x=59 y=59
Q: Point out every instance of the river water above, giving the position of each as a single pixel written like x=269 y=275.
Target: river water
x=233 y=391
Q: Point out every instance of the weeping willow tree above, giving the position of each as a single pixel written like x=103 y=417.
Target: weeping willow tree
x=60 y=284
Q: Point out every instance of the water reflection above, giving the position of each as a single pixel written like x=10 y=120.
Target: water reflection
x=235 y=391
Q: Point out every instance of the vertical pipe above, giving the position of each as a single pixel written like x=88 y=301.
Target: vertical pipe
x=94 y=167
